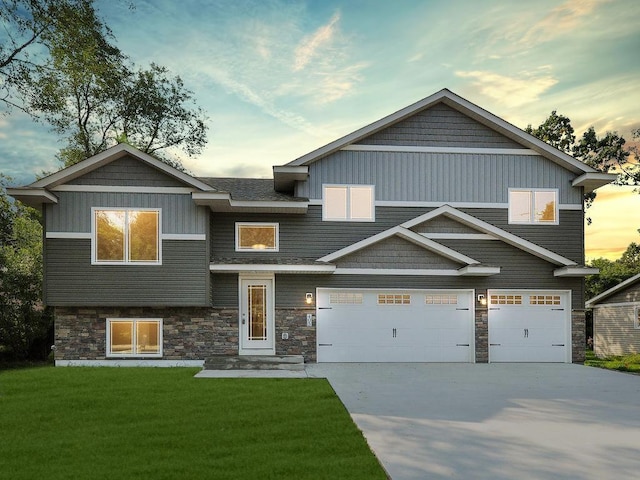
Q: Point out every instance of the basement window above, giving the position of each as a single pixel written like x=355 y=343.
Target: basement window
x=139 y=337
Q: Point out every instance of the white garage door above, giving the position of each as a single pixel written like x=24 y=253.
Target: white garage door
x=529 y=326
x=361 y=325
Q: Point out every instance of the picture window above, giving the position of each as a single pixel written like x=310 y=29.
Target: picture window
x=353 y=203
x=126 y=237
x=257 y=237
x=533 y=206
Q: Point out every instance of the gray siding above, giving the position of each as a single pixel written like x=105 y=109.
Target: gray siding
x=225 y=290
x=443 y=224
x=307 y=236
x=72 y=213
x=629 y=294
x=439 y=177
x=395 y=252
x=614 y=332
x=440 y=126
x=181 y=280
x=127 y=171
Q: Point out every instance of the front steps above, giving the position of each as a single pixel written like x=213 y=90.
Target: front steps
x=292 y=363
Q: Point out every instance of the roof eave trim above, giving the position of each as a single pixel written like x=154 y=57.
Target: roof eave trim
x=231 y=268
x=33 y=197
x=109 y=155
x=612 y=290
x=478 y=271
x=577 y=271
x=285 y=177
x=591 y=181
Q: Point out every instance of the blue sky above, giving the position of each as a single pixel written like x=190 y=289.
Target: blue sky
x=281 y=78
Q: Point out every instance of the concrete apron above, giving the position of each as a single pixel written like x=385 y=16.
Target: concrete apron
x=493 y=421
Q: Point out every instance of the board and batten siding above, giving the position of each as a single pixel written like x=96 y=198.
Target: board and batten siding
x=440 y=126
x=307 y=236
x=439 y=177
x=72 y=213
x=127 y=171
x=613 y=330
x=183 y=279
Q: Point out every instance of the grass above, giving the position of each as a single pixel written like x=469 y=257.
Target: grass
x=142 y=423
x=626 y=363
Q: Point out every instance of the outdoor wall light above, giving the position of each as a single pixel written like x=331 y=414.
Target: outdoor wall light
x=482 y=300
x=308 y=298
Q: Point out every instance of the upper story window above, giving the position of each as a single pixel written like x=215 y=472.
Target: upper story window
x=126 y=236
x=352 y=203
x=257 y=237
x=533 y=206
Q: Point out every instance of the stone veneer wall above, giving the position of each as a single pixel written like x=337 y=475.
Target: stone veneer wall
x=302 y=339
x=188 y=333
x=482 y=333
x=578 y=336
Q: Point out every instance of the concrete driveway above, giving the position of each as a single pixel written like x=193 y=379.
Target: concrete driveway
x=494 y=421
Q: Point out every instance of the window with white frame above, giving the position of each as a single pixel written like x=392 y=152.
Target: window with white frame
x=134 y=337
x=636 y=318
x=257 y=237
x=126 y=236
x=352 y=203
x=533 y=206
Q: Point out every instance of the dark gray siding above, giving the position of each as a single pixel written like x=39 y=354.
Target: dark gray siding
x=225 y=290
x=307 y=236
x=443 y=224
x=127 y=171
x=72 y=213
x=181 y=280
x=395 y=252
x=439 y=177
x=629 y=294
x=440 y=126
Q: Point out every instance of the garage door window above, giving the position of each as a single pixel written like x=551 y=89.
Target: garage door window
x=506 y=299
x=441 y=299
x=394 y=299
x=345 y=298
x=544 y=300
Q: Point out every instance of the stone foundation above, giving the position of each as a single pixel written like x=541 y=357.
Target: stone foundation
x=482 y=334
x=188 y=333
x=302 y=339
x=578 y=336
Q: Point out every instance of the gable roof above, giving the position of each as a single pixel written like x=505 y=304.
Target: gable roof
x=108 y=156
x=568 y=268
x=589 y=177
x=615 y=289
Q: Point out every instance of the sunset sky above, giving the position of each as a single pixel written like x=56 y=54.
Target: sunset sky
x=280 y=78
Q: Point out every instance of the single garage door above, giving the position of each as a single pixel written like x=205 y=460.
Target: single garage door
x=529 y=326
x=362 y=325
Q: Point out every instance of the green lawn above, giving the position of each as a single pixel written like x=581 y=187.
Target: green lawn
x=161 y=423
x=627 y=363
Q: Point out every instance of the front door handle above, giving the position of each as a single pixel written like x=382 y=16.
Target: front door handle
x=244 y=318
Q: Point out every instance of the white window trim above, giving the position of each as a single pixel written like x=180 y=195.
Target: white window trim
x=95 y=261
x=531 y=220
x=258 y=224
x=636 y=317
x=109 y=354
x=348 y=187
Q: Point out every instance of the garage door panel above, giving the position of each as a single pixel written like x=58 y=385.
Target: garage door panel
x=529 y=326
x=395 y=326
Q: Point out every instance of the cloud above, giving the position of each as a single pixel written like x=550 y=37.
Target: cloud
x=310 y=45
x=511 y=91
x=561 y=20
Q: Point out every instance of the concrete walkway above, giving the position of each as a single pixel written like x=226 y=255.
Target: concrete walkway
x=495 y=421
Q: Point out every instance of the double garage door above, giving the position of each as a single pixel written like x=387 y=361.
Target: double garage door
x=366 y=325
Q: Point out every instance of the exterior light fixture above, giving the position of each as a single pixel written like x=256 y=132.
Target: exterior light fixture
x=309 y=298
x=482 y=299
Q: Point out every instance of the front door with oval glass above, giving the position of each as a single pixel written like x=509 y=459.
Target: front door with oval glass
x=256 y=317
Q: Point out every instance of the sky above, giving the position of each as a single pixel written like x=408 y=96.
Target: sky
x=279 y=78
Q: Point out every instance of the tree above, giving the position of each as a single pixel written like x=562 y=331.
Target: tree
x=87 y=89
x=23 y=318
x=556 y=131
x=613 y=272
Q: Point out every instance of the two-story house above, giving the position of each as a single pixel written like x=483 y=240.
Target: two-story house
x=440 y=233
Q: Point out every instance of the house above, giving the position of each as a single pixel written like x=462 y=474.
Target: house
x=440 y=233
x=616 y=319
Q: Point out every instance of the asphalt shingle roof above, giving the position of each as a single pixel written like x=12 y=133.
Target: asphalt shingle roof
x=252 y=189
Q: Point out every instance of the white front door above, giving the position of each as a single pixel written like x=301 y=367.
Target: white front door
x=256 y=316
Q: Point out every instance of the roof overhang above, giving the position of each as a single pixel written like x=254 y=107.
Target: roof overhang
x=478 y=271
x=33 y=197
x=222 y=202
x=284 y=177
x=616 y=288
x=260 y=268
x=591 y=181
x=575 y=271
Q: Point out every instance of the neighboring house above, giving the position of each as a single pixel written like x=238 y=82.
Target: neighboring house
x=440 y=233
x=616 y=319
